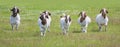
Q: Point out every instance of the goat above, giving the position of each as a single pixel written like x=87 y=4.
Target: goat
x=65 y=22
x=15 y=18
x=44 y=23
x=102 y=19
x=84 y=20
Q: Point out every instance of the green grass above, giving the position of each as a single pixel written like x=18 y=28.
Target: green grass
x=28 y=34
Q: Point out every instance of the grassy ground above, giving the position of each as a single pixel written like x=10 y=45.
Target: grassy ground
x=28 y=34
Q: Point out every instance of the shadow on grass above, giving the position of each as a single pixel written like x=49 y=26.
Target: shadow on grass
x=95 y=30
x=76 y=31
x=37 y=33
x=6 y=29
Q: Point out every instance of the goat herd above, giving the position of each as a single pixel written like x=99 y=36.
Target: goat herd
x=65 y=20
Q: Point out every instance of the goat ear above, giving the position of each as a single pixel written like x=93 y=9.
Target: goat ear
x=17 y=10
x=11 y=9
x=49 y=13
x=80 y=13
x=106 y=11
x=61 y=16
x=41 y=16
x=69 y=19
x=101 y=10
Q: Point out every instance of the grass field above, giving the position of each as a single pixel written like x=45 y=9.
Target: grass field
x=28 y=34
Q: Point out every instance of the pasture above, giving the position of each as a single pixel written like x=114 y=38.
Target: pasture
x=28 y=34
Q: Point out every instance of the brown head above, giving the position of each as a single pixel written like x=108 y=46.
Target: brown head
x=67 y=19
x=15 y=11
x=43 y=18
x=83 y=16
x=104 y=12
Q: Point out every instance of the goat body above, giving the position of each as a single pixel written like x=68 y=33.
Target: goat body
x=84 y=23
x=65 y=22
x=101 y=21
x=15 y=21
x=44 y=27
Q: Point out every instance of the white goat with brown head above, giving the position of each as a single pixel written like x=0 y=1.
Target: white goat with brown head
x=84 y=20
x=15 y=18
x=102 y=19
x=65 y=22
x=44 y=22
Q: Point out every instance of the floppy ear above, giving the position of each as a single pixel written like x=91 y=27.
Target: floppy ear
x=66 y=20
x=41 y=17
x=61 y=16
x=11 y=9
x=106 y=11
x=69 y=19
x=18 y=10
x=80 y=13
x=101 y=10
x=49 y=13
